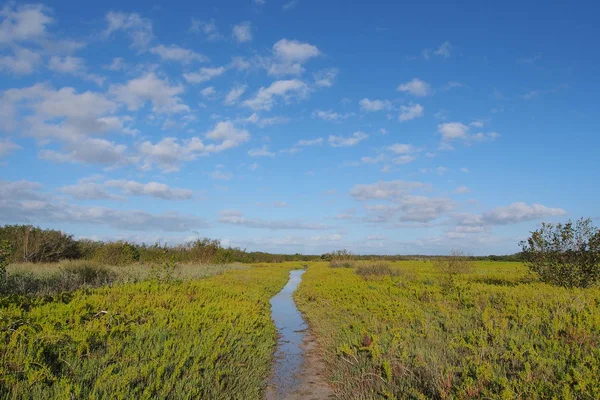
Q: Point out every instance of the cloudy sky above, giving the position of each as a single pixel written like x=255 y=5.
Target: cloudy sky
x=302 y=125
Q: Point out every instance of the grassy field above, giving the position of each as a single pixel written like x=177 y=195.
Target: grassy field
x=199 y=338
x=493 y=333
x=403 y=330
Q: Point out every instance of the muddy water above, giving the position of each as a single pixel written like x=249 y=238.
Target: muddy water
x=289 y=355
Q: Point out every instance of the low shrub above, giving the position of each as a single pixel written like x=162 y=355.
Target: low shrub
x=340 y=263
x=117 y=253
x=377 y=268
x=66 y=280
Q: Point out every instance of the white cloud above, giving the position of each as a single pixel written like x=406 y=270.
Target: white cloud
x=391 y=190
x=262 y=122
x=22 y=62
x=208 y=28
x=151 y=189
x=23 y=202
x=208 y=92
x=74 y=66
x=234 y=95
x=416 y=87
x=310 y=142
x=240 y=63
x=462 y=190
x=290 y=5
x=138 y=28
x=117 y=64
x=265 y=98
x=344 y=141
x=242 y=32
x=411 y=111
x=330 y=115
x=204 y=74
x=176 y=53
x=7 y=146
x=325 y=77
x=400 y=148
x=170 y=152
x=23 y=22
x=518 y=212
x=452 y=131
x=90 y=151
x=289 y=55
x=374 y=105
x=235 y=217
x=261 y=152
x=221 y=175
x=149 y=87
x=443 y=50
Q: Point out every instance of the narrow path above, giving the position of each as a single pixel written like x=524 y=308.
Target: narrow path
x=297 y=368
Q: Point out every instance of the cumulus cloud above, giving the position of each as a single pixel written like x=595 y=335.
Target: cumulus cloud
x=266 y=97
x=24 y=22
x=325 y=77
x=178 y=54
x=416 y=87
x=75 y=66
x=261 y=152
x=456 y=131
x=411 y=111
x=21 y=62
x=204 y=74
x=289 y=57
x=234 y=95
x=236 y=217
x=242 y=32
x=24 y=202
x=518 y=212
x=390 y=190
x=208 y=28
x=149 y=87
x=374 y=105
x=7 y=146
x=330 y=115
x=345 y=141
x=169 y=153
x=138 y=28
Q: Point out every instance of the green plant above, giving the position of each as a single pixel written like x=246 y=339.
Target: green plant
x=5 y=251
x=164 y=272
x=376 y=268
x=565 y=254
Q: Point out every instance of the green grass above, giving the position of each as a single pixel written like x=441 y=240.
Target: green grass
x=493 y=333
x=208 y=338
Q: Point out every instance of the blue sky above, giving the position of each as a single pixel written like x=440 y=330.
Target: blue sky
x=300 y=126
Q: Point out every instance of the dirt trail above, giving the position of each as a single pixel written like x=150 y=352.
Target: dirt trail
x=298 y=369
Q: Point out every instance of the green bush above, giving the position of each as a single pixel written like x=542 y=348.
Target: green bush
x=565 y=254
x=377 y=268
x=117 y=253
x=33 y=244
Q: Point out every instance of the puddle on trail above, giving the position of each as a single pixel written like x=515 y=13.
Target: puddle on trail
x=289 y=356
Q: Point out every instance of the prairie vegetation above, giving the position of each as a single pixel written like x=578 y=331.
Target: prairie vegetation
x=208 y=338
x=496 y=332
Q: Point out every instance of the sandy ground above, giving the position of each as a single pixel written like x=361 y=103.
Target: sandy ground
x=312 y=382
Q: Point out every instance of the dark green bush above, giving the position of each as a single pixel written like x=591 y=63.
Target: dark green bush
x=33 y=244
x=117 y=253
x=565 y=254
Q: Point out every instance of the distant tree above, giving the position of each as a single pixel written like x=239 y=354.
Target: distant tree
x=565 y=254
